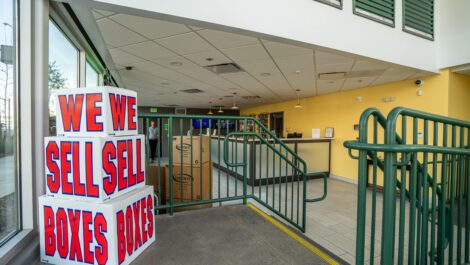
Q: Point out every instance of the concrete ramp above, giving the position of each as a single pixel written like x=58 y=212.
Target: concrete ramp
x=228 y=235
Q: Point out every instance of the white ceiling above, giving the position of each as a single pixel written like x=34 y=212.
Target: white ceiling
x=169 y=57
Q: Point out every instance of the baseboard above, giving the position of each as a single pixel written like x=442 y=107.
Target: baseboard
x=348 y=180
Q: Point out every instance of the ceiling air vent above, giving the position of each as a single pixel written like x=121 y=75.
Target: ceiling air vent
x=251 y=97
x=192 y=91
x=224 y=68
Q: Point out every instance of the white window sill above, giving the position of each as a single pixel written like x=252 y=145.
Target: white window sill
x=13 y=246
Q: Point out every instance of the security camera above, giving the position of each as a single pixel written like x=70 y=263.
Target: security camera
x=419 y=82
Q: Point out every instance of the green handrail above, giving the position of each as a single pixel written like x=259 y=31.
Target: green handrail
x=455 y=173
x=294 y=170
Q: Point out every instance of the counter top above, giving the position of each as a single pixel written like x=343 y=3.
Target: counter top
x=285 y=140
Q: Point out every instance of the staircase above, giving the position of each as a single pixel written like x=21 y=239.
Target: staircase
x=235 y=144
x=425 y=173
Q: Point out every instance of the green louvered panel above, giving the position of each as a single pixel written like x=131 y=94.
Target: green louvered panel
x=381 y=8
x=419 y=15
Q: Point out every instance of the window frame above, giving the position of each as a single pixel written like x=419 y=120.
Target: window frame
x=374 y=17
x=16 y=122
x=418 y=32
x=331 y=3
x=32 y=44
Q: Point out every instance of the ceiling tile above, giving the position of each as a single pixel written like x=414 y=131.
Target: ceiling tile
x=289 y=65
x=186 y=43
x=208 y=77
x=357 y=82
x=246 y=53
x=170 y=62
x=195 y=28
x=150 y=28
x=304 y=82
x=330 y=58
x=117 y=35
x=330 y=68
x=148 y=50
x=149 y=67
x=103 y=12
x=258 y=67
x=201 y=58
x=96 y=15
x=223 y=40
x=394 y=74
x=368 y=66
x=123 y=58
x=244 y=80
x=277 y=49
x=329 y=86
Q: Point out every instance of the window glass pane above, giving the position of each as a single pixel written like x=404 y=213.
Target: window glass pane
x=63 y=68
x=9 y=194
x=91 y=76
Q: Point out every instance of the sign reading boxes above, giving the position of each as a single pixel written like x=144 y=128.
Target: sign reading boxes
x=94 y=169
x=114 y=232
x=99 y=111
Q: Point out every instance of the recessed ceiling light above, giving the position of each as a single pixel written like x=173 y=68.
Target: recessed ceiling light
x=298 y=90
x=209 y=59
x=298 y=72
x=265 y=74
x=176 y=63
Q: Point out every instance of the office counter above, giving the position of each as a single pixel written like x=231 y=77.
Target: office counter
x=261 y=162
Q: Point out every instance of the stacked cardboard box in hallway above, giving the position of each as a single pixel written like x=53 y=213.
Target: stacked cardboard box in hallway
x=97 y=209
x=192 y=171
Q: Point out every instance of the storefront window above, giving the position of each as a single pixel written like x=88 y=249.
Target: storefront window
x=91 y=76
x=9 y=175
x=63 y=68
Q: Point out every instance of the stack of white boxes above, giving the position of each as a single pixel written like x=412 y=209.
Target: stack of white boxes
x=97 y=209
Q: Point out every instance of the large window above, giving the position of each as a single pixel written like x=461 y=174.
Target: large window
x=91 y=76
x=63 y=68
x=9 y=173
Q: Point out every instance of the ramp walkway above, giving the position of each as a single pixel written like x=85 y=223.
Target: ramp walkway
x=232 y=235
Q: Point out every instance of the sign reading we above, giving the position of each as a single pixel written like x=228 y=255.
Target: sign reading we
x=102 y=111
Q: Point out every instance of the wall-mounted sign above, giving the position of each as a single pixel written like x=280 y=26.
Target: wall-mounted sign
x=153 y=110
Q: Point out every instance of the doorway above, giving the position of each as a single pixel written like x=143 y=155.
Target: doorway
x=276 y=123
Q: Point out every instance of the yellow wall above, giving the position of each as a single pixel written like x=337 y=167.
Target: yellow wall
x=341 y=111
x=459 y=96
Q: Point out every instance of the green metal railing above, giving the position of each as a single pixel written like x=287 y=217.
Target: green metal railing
x=246 y=165
x=427 y=167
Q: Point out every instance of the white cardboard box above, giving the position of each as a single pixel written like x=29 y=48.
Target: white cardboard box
x=114 y=232
x=94 y=169
x=96 y=111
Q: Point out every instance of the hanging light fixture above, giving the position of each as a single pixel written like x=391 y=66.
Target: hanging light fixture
x=235 y=107
x=220 y=110
x=297 y=106
x=210 y=108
